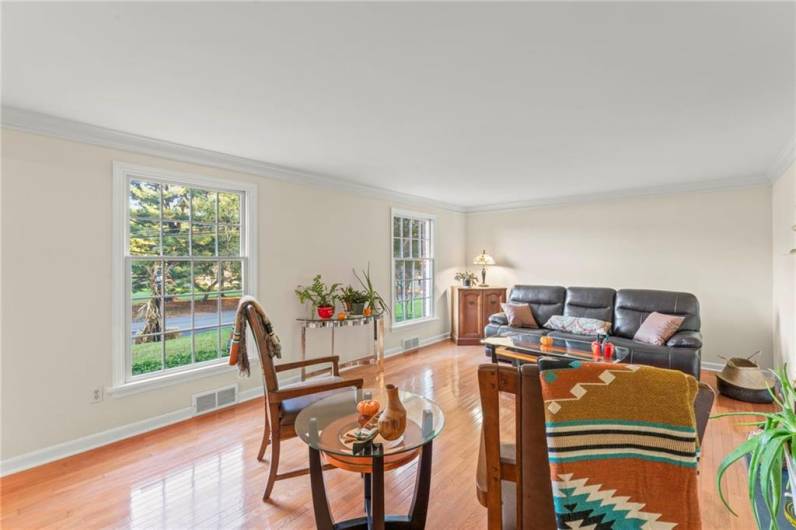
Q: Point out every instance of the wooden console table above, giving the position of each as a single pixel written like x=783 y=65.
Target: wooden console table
x=470 y=310
x=377 y=322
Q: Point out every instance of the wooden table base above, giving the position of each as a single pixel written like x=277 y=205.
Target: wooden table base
x=374 y=497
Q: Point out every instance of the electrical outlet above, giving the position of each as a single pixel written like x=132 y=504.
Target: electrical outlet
x=96 y=395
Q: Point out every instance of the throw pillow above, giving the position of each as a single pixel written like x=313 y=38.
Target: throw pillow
x=657 y=328
x=519 y=315
x=578 y=325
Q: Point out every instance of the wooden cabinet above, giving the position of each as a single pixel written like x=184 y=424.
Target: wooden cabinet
x=470 y=310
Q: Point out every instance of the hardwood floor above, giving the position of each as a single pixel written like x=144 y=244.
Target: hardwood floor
x=203 y=473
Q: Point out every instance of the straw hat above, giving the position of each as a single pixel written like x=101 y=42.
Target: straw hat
x=744 y=380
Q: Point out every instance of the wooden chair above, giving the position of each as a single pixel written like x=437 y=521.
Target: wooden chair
x=284 y=402
x=513 y=478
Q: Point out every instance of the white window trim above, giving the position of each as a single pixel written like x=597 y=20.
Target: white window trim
x=122 y=172
x=399 y=212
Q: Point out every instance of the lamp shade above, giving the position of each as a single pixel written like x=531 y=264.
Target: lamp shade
x=483 y=259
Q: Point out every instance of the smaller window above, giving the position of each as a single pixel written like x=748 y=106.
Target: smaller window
x=413 y=266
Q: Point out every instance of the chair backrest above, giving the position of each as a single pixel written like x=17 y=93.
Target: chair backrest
x=492 y=380
x=270 y=380
x=534 y=491
x=536 y=498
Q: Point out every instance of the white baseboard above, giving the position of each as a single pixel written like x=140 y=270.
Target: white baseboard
x=712 y=367
x=423 y=342
x=92 y=441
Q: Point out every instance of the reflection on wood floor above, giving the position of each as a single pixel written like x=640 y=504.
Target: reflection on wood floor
x=203 y=473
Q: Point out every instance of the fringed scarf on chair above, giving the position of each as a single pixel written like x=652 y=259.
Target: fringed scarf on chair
x=237 y=346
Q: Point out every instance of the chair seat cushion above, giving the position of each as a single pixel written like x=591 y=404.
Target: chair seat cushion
x=291 y=407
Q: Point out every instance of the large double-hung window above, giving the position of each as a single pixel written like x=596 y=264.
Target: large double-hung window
x=413 y=267
x=186 y=261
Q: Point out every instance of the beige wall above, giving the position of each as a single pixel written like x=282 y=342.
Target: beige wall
x=56 y=321
x=56 y=341
x=783 y=195
x=713 y=244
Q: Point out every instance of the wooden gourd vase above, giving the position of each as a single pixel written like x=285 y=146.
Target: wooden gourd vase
x=392 y=422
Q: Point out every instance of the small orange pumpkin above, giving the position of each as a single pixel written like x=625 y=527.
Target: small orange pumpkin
x=367 y=311
x=368 y=407
x=341 y=315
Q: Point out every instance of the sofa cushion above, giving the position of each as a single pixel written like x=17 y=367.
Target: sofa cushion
x=578 y=325
x=519 y=315
x=499 y=318
x=634 y=305
x=590 y=302
x=686 y=360
x=658 y=328
x=545 y=300
x=571 y=336
x=494 y=330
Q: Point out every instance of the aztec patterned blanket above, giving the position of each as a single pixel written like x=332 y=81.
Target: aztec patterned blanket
x=622 y=445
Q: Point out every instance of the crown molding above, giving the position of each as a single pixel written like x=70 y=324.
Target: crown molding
x=45 y=124
x=648 y=191
x=785 y=158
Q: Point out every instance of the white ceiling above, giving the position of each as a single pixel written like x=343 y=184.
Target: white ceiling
x=469 y=104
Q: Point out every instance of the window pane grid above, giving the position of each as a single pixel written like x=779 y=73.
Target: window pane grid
x=180 y=339
x=412 y=268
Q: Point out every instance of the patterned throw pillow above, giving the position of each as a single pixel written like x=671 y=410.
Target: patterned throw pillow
x=519 y=315
x=657 y=328
x=578 y=325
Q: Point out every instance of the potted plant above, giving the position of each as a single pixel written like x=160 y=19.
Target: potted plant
x=323 y=297
x=468 y=279
x=768 y=449
x=353 y=299
x=375 y=303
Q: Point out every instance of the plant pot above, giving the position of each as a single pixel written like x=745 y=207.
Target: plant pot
x=325 y=312
x=357 y=308
x=467 y=283
x=392 y=422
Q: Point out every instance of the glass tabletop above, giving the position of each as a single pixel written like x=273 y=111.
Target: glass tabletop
x=336 y=419
x=579 y=349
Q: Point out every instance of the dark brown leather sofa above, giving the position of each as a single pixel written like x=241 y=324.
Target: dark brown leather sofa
x=626 y=309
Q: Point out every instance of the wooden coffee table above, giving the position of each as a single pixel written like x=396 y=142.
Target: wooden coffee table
x=520 y=349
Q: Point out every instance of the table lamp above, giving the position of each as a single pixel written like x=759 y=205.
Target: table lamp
x=483 y=259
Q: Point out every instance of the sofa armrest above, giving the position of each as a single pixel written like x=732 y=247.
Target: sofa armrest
x=685 y=339
x=499 y=318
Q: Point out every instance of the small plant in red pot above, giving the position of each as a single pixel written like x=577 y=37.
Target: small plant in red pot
x=323 y=297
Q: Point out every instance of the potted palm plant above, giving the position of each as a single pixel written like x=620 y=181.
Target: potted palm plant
x=768 y=449
x=321 y=296
x=354 y=300
x=375 y=303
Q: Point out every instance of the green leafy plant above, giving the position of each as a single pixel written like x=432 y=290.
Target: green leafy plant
x=767 y=449
x=466 y=276
x=318 y=293
x=349 y=295
x=374 y=300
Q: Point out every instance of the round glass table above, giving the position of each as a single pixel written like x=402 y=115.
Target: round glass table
x=325 y=427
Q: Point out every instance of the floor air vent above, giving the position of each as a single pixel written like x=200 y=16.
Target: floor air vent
x=410 y=344
x=215 y=399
